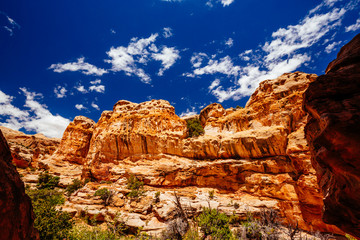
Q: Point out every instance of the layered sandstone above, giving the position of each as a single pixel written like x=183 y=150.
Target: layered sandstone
x=16 y=221
x=253 y=158
x=28 y=150
x=333 y=131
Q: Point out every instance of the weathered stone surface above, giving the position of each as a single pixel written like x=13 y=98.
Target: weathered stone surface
x=28 y=150
x=16 y=221
x=333 y=131
x=74 y=144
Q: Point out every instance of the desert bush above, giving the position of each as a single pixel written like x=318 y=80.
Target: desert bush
x=105 y=195
x=215 y=224
x=83 y=232
x=194 y=127
x=211 y=194
x=157 y=197
x=75 y=185
x=136 y=186
x=47 y=181
x=51 y=223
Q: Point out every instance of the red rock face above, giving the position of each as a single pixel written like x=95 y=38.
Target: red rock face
x=333 y=133
x=16 y=217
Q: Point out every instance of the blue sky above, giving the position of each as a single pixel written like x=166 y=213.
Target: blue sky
x=60 y=59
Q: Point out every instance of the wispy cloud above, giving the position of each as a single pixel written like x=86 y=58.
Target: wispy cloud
x=332 y=46
x=167 y=32
x=225 y=3
x=79 y=66
x=168 y=57
x=97 y=88
x=137 y=54
x=229 y=42
x=94 y=105
x=60 y=92
x=81 y=88
x=353 y=27
x=80 y=107
x=284 y=52
x=9 y=24
x=35 y=117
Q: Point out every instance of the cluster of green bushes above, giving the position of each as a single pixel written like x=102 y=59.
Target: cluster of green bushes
x=75 y=185
x=194 y=127
x=136 y=186
x=51 y=222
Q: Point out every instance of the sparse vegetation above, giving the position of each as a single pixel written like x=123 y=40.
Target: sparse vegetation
x=47 y=181
x=51 y=223
x=157 y=197
x=136 y=186
x=75 y=185
x=215 y=224
x=194 y=127
x=105 y=195
x=211 y=194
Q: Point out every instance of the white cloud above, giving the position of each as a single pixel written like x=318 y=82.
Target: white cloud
x=112 y=31
x=60 y=92
x=97 y=81
x=224 y=66
x=97 y=88
x=80 y=65
x=167 y=32
x=11 y=25
x=214 y=84
x=36 y=117
x=354 y=27
x=95 y=106
x=332 y=47
x=189 y=112
x=81 y=89
x=168 y=57
x=303 y=35
x=229 y=42
x=226 y=2
x=284 y=52
x=197 y=59
x=80 y=107
x=140 y=52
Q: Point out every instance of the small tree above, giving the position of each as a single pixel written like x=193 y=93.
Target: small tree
x=75 y=185
x=194 y=127
x=136 y=186
x=47 y=181
x=105 y=195
x=215 y=224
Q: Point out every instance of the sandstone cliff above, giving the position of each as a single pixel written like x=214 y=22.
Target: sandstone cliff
x=16 y=221
x=333 y=131
x=27 y=150
x=254 y=158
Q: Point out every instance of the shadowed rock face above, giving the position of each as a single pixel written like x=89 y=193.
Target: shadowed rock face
x=16 y=221
x=333 y=133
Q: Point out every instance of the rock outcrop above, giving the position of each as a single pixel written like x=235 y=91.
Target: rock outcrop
x=333 y=131
x=253 y=158
x=16 y=221
x=28 y=150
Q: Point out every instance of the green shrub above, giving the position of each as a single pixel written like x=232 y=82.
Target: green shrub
x=51 y=223
x=81 y=232
x=47 y=181
x=215 y=224
x=76 y=184
x=157 y=197
x=105 y=195
x=194 y=127
x=136 y=186
x=211 y=194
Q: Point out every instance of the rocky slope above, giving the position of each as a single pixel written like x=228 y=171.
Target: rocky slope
x=17 y=218
x=253 y=158
x=27 y=150
x=333 y=102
